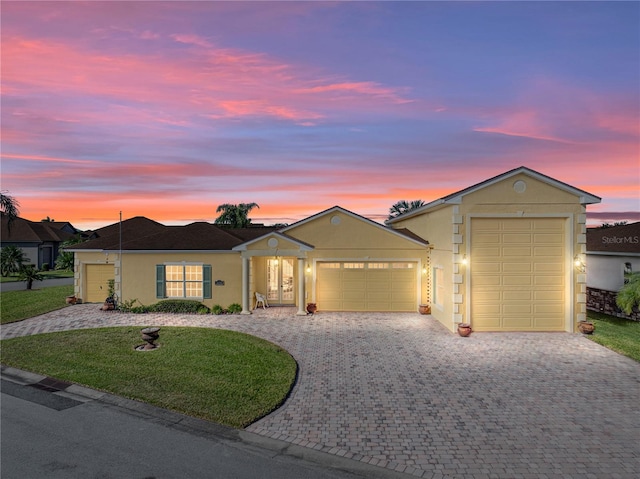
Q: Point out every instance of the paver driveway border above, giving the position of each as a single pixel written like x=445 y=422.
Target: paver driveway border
x=399 y=391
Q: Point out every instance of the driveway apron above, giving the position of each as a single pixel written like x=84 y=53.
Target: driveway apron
x=401 y=392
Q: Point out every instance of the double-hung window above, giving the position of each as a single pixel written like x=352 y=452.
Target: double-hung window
x=182 y=280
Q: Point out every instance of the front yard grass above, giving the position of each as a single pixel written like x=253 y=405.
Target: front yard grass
x=18 y=305
x=618 y=334
x=223 y=376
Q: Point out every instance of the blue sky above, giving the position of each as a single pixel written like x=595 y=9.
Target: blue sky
x=168 y=109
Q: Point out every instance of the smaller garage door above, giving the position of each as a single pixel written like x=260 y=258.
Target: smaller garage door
x=97 y=286
x=366 y=286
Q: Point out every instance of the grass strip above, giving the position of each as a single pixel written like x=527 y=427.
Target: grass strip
x=18 y=305
x=618 y=334
x=223 y=376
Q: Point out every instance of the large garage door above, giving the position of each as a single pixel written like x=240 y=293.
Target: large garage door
x=518 y=274
x=366 y=286
x=98 y=276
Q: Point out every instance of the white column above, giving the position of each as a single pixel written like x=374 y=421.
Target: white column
x=302 y=311
x=246 y=303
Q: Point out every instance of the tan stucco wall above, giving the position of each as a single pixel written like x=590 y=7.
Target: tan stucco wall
x=139 y=272
x=446 y=228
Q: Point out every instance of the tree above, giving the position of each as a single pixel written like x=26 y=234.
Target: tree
x=403 y=206
x=65 y=258
x=609 y=225
x=629 y=295
x=12 y=260
x=235 y=216
x=30 y=274
x=47 y=220
x=9 y=206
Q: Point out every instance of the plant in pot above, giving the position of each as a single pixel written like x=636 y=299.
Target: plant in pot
x=111 y=301
x=464 y=329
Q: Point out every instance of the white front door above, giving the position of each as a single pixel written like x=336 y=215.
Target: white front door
x=280 y=281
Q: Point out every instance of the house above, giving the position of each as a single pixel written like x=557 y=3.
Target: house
x=498 y=254
x=40 y=241
x=612 y=255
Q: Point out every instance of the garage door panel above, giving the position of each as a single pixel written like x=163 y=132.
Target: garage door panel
x=548 y=296
x=518 y=283
x=373 y=286
x=516 y=295
x=516 y=280
x=97 y=282
x=516 y=251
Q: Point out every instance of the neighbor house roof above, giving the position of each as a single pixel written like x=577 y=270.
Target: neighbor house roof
x=456 y=198
x=622 y=239
x=25 y=231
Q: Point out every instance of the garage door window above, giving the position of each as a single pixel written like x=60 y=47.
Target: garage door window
x=186 y=281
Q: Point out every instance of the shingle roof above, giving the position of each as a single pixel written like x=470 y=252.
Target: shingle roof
x=616 y=239
x=26 y=231
x=143 y=234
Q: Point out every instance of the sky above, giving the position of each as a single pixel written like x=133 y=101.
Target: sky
x=169 y=109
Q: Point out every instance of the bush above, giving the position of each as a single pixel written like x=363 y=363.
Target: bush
x=234 y=308
x=179 y=306
x=217 y=309
x=45 y=267
x=130 y=307
x=629 y=295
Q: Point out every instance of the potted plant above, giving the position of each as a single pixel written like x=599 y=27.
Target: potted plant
x=110 y=302
x=586 y=327
x=424 y=309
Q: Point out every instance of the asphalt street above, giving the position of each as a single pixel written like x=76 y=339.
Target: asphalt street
x=58 y=434
x=21 y=285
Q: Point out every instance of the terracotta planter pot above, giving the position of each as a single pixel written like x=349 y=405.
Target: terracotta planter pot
x=71 y=300
x=424 y=309
x=586 y=327
x=464 y=329
x=311 y=308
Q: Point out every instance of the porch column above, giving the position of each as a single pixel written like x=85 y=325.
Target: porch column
x=301 y=306
x=246 y=303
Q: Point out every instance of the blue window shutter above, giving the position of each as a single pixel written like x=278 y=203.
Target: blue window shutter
x=160 y=289
x=206 y=281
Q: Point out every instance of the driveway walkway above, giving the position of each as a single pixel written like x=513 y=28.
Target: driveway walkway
x=399 y=391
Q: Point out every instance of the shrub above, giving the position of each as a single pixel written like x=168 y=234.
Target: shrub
x=45 y=267
x=629 y=295
x=217 y=309
x=129 y=306
x=178 y=306
x=234 y=308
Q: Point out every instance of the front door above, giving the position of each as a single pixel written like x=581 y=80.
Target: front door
x=280 y=281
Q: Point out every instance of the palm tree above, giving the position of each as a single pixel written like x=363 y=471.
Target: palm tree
x=235 y=216
x=403 y=206
x=9 y=206
x=12 y=259
x=30 y=274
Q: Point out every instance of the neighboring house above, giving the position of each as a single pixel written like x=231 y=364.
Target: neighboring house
x=498 y=254
x=612 y=255
x=40 y=241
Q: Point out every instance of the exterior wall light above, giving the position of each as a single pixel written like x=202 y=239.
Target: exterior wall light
x=308 y=268
x=579 y=264
x=465 y=261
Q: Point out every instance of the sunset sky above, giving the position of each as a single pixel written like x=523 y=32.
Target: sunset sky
x=168 y=109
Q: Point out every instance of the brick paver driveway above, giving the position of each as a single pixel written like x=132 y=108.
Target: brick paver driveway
x=401 y=392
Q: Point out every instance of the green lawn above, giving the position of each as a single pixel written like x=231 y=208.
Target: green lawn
x=18 y=305
x=223 y=376
x=618 y=334
x=53 y=274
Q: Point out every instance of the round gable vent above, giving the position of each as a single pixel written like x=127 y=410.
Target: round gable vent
x=520 y=186
x=272 y=242
x=335 y=220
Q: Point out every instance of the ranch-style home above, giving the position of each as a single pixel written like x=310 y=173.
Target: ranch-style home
x=500 y=255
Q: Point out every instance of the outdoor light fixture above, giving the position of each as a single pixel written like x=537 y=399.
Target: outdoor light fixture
x=465 y=261
x=308 y=268
x=579 y=264
x=424 y=270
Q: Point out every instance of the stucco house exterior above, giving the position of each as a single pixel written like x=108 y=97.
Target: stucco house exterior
x=612 y=254
x=40 y=241
x=499 y=254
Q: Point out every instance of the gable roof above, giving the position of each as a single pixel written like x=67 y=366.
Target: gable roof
x=456 y=198
x=622 y=239
x=25 y=231
x=275 y=234
x=406 y=234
